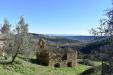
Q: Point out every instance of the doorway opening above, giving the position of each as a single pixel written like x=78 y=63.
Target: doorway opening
x=57 y=65
x=69 y=64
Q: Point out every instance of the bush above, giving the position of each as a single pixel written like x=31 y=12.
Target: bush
x=86 y=62
x=92 y=71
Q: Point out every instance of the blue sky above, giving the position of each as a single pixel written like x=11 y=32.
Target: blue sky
x=55 y=16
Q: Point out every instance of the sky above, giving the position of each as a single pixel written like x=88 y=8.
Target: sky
x=71 y=17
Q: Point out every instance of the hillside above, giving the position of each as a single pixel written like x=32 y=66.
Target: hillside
x=82 y=38
x=54 y=38
x=22 y=67
x=95 y=45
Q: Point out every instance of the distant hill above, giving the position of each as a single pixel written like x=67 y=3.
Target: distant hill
x=58 y=39
x=71 y=37
x=74 y=42
x=82 y=38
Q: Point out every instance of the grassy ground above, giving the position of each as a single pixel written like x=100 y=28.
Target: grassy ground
x=21 y=67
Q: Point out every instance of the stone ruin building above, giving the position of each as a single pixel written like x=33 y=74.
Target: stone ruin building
x=56 y=57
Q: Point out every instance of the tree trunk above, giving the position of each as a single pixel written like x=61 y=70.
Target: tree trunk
x=14 y=57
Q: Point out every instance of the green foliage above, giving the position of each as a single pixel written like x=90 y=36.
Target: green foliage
x=6 y=27
x=23 y=38
x=96 y=70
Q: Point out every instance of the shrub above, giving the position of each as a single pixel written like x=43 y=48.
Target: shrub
x=86 y=62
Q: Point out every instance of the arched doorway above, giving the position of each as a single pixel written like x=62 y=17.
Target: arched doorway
x=69 y=64
x=57 y=65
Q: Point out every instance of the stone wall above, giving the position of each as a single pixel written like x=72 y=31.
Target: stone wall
x=68 y=60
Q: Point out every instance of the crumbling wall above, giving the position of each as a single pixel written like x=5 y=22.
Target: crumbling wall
x=43 y=58
x=66 y=60
x=71 y=60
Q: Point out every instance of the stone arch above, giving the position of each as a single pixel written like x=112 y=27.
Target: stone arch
x=57 y=65
x=69 y=64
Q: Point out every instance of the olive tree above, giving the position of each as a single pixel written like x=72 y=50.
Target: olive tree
x=5 y=36
x=21 y=42
x=106 y=29
x=18 y=40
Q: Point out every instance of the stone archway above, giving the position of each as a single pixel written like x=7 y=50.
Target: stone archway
x=57 y=65
x=69 y=64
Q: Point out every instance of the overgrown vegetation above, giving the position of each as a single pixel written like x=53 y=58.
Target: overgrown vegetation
x=22 y=67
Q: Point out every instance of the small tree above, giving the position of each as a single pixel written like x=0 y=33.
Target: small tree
x=6 y=27
x=5 y=30
x=22 y=39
